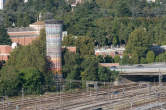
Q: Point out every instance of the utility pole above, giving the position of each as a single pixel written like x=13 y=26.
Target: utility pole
x=22 y=91
x=160 y=79
x=131 y=103
x=17 y=107
x=70 y=86
x=61 y=95
x=3 y=103
x=110 y=91
x=133 y=8
x=123 y=91
x=6 y=99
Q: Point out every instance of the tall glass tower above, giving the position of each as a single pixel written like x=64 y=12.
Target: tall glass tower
x=53 y=45
x=1 y=4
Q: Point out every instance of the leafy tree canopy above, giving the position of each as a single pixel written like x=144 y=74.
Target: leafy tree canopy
x=4 y=38
x=138 y=42
x=150 y=57
x=26 y=68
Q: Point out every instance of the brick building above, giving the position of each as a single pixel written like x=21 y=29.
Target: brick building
x=22 y=36
x=72 y=49
x=109 y=64
x=111 y=51
x=5 y=52
x=25 y=35
x=151 y=1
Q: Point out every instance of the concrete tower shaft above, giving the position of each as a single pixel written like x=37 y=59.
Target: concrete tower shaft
x=53 y=45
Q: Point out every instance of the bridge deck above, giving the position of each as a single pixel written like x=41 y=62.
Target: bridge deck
x=142 y=69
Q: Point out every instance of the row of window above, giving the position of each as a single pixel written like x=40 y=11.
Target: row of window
x=55 y=55
x=54 y=50
x=53 y=36
x=53 y=30
x=54 y=41
x=55 y=65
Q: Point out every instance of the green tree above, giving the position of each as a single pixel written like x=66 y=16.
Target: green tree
x=108 y=59
x=135 y=58
x=114 y=75
x=125 y=59
x=30 y=56
x=29 y=67
x=1 y=64
x=71 y=66
x=104 y=74
x=138 y=42
x=69 y=41
x=115 y=41
x=33 y=80
x=26 y=19
x=117 y=59
x=19 y=20
x=10 y=81
x=85 y=46
x=143 y=60
x=161 y=57
x=89 y=68
x=122 y=8
x=100 y=59
x=6 y=20
x=150 y=57
x=4 y=37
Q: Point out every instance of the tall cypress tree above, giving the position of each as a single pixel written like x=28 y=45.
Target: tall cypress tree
x=4 y=37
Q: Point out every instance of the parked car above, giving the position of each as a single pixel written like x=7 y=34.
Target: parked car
x=139 y=66
x=113 y=68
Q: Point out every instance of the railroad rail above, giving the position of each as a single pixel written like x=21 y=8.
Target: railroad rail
x=78 y=100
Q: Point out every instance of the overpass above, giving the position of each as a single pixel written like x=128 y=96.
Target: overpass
x=141 y=69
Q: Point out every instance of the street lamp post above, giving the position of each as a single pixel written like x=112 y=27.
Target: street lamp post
x=22 y=91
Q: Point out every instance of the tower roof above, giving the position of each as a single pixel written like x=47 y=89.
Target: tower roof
x=52 y=21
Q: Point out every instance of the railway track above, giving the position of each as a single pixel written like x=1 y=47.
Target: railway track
x=55 y=99
x=140 y=100
x=105 y=100
x=123 y=104
x=86 y=102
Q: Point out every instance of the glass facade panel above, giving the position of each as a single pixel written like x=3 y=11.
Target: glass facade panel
x=53 y=42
